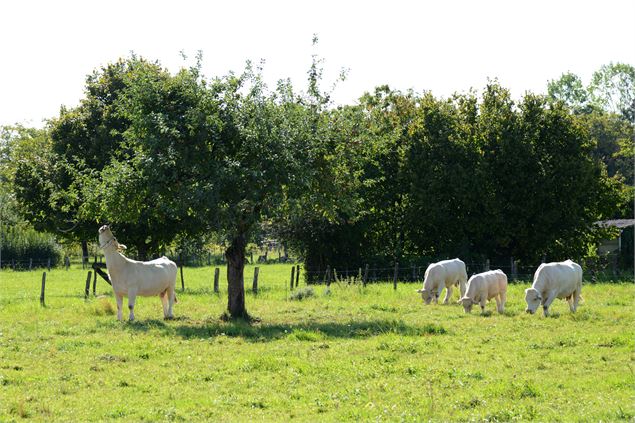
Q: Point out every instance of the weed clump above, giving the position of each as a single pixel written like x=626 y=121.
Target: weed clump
x=302 y=294
x=104 y=308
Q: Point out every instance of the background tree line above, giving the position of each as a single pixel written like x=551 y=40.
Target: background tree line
x=164 y=156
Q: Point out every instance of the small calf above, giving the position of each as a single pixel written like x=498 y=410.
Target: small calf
x=482 y=287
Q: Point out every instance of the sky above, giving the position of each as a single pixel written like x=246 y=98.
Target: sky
x=48 y=47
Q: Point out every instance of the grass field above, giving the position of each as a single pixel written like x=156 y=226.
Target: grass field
x=351 y=354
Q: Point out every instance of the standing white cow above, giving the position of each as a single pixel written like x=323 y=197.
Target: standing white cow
x=132 y=278
x=555 y=280
x=443 y=274
x=483 y=287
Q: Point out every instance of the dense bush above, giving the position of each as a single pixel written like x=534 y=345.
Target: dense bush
x=21 y=244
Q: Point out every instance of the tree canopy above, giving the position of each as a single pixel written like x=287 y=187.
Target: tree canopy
x=161 y=156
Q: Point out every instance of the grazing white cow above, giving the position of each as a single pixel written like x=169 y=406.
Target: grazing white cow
x=482 y=287
x=555 y=280
x=443 y=274
x=132 y=278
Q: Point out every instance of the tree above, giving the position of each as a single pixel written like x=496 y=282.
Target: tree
x=570 y=90
x=612 y=88
x=102 y=163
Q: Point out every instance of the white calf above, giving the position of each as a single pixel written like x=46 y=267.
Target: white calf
x=482 y=287
x=443 y=274
x=132 y=278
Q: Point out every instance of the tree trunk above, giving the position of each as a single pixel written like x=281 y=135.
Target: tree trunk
x=142 y=251
x=235 y=255
x=84 y=252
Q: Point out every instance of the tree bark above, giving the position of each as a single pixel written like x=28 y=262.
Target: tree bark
x=235 y=255
x=84 y=253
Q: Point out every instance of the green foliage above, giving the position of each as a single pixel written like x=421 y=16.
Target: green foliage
x=466 y=177
x=570 y=90
x=612 y=88
x=20 y=243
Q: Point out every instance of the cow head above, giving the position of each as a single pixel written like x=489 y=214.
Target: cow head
x=426 y=295
x=467 y=304
x=107 y=239
x=533 y=299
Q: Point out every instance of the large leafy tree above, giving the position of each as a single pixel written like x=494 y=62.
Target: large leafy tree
x=612 y=88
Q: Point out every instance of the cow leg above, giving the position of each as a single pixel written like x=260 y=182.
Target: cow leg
x=164 y=301
x=448 y=294
x=573 y=305
x=132 y=295
x=483 y=303
x=500 y=302
x=171 y=297
x=547 y=303
x=119 y=306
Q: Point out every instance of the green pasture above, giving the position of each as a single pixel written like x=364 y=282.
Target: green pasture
x=353 y=353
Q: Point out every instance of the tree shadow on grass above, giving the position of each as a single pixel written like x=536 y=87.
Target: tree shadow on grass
x=263 y=332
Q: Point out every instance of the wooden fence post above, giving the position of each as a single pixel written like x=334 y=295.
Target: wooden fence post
x=513 y=269
x=394 y=280
x=216 y=273
x=87 y=289
x=297 y=276
x=487 y=265
x=414 y=273
x=365 y=277
x=181 y=267
x=94 y=280
x=30 y=263
x=292 y=276
x=255 y=284
x=328 y=276
x=43 y=288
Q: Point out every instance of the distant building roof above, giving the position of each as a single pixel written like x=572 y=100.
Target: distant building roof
x=618 y=223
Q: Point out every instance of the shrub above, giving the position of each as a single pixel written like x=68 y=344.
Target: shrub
x=20 y=244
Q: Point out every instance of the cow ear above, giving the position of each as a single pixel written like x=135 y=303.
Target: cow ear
x=122 y=247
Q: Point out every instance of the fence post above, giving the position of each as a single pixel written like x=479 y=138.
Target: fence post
x=297 y=276
x=365 y=278
x=95 y=283
x=48 y=264
x=30 y=263
x=43 y=288
x=181 y=267
x=394 y=280
x=87 y=289
x=328 y=276
x=255 y=284
x=292 y=276
x=216 y=273
x=486 y=265
x=513 y=269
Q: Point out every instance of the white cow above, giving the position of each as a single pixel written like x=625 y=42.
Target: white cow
x=443 y=274
x=132 y=278
x=483 y=287
x=555 y=280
